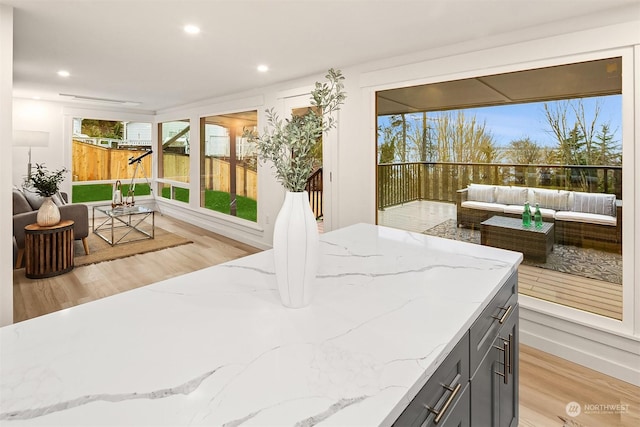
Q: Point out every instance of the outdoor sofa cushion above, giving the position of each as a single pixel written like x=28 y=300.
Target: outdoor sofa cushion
x=589 y=218
x=484 y=206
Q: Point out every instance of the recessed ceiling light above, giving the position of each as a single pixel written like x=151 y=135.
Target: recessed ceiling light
x=37 y=98
x=263 y=68
x=191 y=29
x=64 y=73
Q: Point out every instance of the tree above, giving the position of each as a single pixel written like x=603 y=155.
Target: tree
x=462 y=139
x=523 y=151
x=580 y=139
x=453 y=137
x=399 y=122
x=607 y=151
x=386 y=148
x=102 y=128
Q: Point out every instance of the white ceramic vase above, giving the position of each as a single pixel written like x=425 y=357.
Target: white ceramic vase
x=295 y=250
x=48 y=214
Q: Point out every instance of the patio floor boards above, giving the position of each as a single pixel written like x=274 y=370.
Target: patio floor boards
x=590 y=295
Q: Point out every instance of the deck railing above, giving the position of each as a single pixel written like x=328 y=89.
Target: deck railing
x=314 y=188
x=438 y=181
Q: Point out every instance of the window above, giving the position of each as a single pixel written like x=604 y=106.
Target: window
x=173 y=167
x=455 y=154
x=228 y=164
x=101 y=154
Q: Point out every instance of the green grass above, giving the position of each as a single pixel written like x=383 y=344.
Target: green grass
x=219 y=201
x=103 y=192
x=215 y=200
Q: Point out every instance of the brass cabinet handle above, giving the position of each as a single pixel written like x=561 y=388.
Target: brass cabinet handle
x=505 y=349
x=504 y=316
x=439 y=414
x=510 y=353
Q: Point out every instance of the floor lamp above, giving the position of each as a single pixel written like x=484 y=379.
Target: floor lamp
x=30 y=138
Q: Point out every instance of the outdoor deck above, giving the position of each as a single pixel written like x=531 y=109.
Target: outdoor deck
x=590 y=295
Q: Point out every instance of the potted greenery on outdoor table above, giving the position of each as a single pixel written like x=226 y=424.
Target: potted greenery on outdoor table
x=46 y=184
x=289 y=145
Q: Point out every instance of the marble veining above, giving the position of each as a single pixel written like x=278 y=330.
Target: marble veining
x=216 y=347
x=185 y=389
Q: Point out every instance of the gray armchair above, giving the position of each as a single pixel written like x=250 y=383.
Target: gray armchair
x=24 y=214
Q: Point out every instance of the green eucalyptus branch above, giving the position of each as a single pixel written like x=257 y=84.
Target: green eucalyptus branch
x=288 y=144
x=46 y=183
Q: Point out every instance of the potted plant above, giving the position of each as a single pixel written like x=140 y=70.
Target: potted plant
x=289 y=145
x=47 y=184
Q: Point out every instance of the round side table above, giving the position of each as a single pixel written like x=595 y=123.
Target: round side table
x=48 y=251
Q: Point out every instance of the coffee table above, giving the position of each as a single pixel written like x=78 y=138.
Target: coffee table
x=124 y=224
x=509 y=233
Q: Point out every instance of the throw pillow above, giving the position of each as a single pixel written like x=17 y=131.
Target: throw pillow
x=552 y=199
x=511 y=195
x=481 y=193
x=58 y=199
x=34 y=199
x=596 y=203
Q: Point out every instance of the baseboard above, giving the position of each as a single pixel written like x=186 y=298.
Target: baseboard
x=231 y=227
x=610 y=353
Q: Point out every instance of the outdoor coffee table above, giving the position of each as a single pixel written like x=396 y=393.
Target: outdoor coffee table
x=509 y=233
x=124 y=224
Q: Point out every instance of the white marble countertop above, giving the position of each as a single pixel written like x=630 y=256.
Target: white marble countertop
x=216 y=347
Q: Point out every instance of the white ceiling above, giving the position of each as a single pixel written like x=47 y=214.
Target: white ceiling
x=135 y=50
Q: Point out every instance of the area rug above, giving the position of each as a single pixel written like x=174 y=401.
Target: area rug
x=100 y=251
x=584 y=262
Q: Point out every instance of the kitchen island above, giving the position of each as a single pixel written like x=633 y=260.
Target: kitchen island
x=216 y=347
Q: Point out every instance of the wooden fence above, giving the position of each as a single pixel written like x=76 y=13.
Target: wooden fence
x=216 y=177
x=404 y=182
x=95 y=163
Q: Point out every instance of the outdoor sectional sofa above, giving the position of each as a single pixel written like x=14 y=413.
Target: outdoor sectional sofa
x=581 y=219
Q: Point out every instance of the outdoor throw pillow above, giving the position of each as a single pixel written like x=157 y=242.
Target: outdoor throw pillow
x=552 y=199
x=511 y=195
x=603 y=204
x=481 y=193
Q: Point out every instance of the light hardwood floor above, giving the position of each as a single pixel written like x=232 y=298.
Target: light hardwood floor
x=87 y=283
x=547 y=383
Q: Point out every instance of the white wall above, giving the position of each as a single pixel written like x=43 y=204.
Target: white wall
x=6 y=221
x=43 y=116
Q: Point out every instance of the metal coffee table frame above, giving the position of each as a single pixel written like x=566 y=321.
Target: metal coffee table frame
x=129 y=218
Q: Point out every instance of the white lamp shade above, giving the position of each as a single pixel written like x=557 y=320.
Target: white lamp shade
x=30 y=138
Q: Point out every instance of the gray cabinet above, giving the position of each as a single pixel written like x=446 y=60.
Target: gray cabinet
x=494 y=386
x=494 y=360
x=445 y=396
x=477 y=383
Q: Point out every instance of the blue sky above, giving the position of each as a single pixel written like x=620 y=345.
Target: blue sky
x=510 y=122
